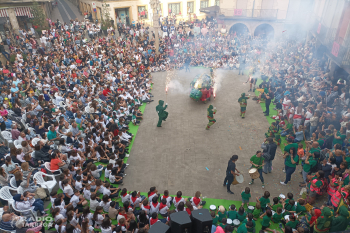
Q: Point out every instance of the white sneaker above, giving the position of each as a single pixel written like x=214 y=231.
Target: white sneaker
x=127 y=155
x=124 y=175
x=127 y=164
x=282 y=183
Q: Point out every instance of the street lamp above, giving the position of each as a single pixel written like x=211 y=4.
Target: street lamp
x=155 y=7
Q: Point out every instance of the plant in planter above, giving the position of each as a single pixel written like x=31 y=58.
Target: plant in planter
x=106 y=21
x=39 y=21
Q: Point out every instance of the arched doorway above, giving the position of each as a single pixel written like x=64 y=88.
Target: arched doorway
x=265 y=31
x=239 y=29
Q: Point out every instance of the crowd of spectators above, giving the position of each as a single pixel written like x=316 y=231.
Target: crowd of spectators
x=70 y=95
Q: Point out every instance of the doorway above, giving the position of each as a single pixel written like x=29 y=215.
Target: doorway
x=121 y=14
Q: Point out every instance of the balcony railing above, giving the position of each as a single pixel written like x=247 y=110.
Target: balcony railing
x=250 y=13
x=338 y=50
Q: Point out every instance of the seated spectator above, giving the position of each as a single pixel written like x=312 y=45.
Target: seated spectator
x=27 y=201
x=15 y=132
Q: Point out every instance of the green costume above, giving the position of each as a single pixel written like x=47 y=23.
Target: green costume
x=278 y=139
x=271 y=131
x=210 y=114
x=162 y=114
x=243 y=103
x=323 y=223
x=340 y=223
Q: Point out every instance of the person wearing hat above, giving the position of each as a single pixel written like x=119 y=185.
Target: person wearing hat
x=230 y=173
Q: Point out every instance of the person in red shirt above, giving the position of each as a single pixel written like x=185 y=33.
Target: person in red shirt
x=56 y=163
x=78 y=60
x=106 y=92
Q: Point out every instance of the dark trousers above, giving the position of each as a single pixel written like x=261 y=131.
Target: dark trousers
x=289 y=172
x=267 y=104
x=261 y=176
x=229 y=180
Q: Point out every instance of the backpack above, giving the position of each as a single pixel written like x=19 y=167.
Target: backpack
x=266 y=155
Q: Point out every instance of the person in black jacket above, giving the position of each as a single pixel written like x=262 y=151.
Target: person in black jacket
x=271 y=148
x=40 y=153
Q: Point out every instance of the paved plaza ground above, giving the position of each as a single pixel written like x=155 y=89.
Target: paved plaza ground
x=182 y=155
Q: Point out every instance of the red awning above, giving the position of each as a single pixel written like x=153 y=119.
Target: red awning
x=3 y=13
x=23 y=11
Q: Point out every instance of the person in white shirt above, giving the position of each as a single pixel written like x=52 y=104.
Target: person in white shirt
x=169 y=200
x=87 y=192
x=78 y=201
x=60 y=228
x=57 y=216
x=154 y=205
x=108 y=169
x=78 y=184
x=163 y=208
x=72 y=218
x=124 y=195
x=67 y=189
x=93 y=202
x=26 y=201
x=98 y=216
x=105 y=203
x=60 y=204
x=178 y=199
x=136 y=199
x=106 y=226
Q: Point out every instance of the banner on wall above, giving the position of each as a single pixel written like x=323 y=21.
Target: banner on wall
x=335 y=49
x=238 y=12
x=319 y=28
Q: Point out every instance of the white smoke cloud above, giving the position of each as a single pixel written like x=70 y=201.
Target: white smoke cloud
x=178 y=88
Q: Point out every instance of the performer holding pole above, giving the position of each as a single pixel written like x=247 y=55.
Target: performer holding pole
x=162 y=114
x=210 y=114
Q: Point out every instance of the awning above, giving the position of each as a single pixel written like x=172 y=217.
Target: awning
x=24 y=11
x=3 y=13
x=211 y=9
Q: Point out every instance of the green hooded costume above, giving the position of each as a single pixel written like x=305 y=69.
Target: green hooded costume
x=323 y=223
x=162 y=114
x=243 y=103
x=210 y=114
x=341 y=222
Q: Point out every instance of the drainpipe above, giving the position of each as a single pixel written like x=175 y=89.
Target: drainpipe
x=253 y=9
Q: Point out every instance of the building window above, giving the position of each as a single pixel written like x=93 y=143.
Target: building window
x=190 y=7
x=217 y=2
x=174 y=8
x=142 y=12
x=204 y=4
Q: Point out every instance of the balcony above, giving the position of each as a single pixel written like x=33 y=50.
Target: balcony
x=338 y=49
x=267 y=14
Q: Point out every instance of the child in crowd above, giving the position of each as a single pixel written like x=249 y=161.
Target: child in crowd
x=245 y=196
x=264 y=201
x=221 y=213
